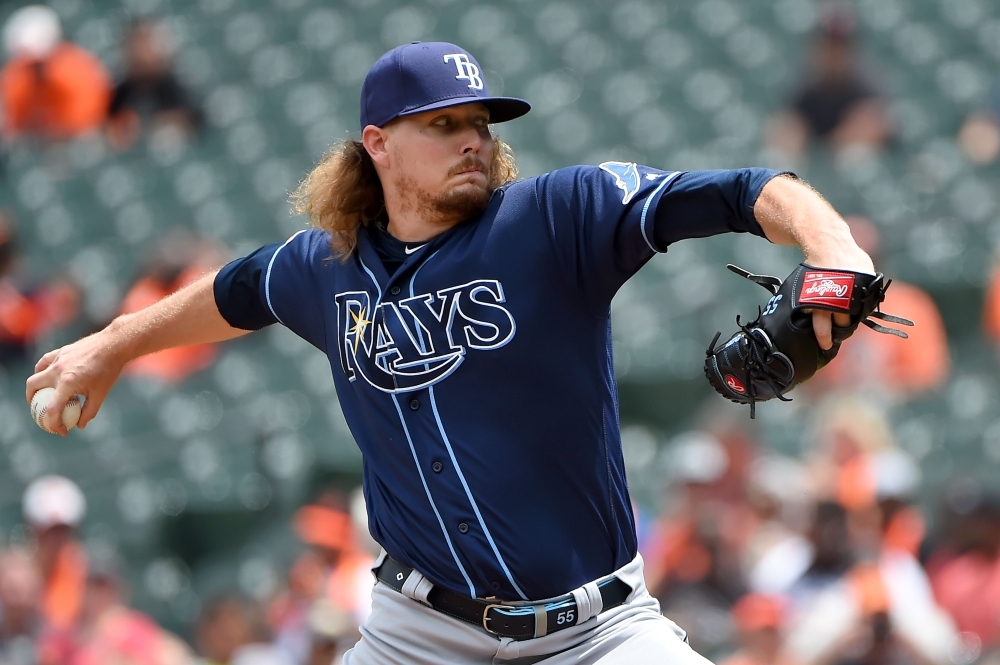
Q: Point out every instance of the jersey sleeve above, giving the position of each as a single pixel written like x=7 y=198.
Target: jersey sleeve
x=698 y=204
x=277 y=284
x=237 y=290
x=607 y=221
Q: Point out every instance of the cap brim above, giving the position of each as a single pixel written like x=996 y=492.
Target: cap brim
x=501 y=109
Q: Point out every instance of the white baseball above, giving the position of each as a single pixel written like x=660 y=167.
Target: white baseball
x=40 y=405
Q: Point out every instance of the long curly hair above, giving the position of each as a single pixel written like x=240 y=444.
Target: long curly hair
x=343 y=192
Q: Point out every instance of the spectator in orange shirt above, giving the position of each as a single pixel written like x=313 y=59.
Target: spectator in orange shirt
x=28 y=313
x=49 y=88
x=902 y=367
x=17 y=315
x=177 y=262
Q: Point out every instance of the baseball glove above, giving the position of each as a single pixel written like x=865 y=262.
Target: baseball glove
x=778 y=350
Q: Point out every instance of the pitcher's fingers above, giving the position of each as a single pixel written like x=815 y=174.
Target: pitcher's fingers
x=91 y=405
x=53 y=415
x=46 y=360
x=36 y=382
x=842 y=320
x=823 y=328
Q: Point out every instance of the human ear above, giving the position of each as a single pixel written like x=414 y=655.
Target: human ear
x=374 y=139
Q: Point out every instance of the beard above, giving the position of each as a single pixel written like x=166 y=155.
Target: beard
x=463 y=202
x=458 y=204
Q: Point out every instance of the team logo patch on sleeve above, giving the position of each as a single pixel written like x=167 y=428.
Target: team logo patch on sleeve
x=831 y=289
x=626 y=177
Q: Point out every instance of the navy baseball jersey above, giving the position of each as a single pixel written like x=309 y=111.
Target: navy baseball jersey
x=477 y=375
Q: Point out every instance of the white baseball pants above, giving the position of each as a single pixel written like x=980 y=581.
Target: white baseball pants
x=401 y=630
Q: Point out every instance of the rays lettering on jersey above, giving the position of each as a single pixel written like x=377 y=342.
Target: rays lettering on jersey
x=414 y=343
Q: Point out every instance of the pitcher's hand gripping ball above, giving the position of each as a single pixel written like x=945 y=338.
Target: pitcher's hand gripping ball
x=40 y=404
x=778 y=350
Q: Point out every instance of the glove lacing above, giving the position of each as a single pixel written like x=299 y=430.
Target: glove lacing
x=759 y=363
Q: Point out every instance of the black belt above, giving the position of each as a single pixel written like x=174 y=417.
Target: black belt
x=520 y=622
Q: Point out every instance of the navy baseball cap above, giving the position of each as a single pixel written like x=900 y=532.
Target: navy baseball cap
x=423 y=76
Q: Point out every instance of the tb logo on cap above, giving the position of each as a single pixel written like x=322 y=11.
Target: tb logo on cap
x=467 y=71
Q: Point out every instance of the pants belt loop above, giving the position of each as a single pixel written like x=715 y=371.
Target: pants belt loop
x=541 y=621
x=379 y=561
x=588 y=601
x=596 y=600
x=417 y=587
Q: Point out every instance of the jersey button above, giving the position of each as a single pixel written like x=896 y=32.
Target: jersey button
x=394 y=290
x=496 y=586
x=463 y=527
x=414 y=404
x=437 y=466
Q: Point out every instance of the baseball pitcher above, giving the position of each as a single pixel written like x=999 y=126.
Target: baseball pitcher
x=466 y=318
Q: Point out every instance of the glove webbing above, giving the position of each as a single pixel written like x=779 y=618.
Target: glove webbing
x=758 y=362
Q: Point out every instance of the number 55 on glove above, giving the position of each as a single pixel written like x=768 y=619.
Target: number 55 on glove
x=778 y=350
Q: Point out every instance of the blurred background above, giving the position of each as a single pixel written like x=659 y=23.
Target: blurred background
x=212 y=508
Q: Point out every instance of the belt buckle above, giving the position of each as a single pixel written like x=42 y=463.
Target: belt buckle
x=486 y=618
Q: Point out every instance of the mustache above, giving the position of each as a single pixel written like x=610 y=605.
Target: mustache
x=470 y=162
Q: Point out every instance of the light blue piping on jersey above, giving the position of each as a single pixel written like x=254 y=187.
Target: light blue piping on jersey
x=468 y=493
x=645 y=208
x=416 y=461
x=451 y=454
x=267 y=276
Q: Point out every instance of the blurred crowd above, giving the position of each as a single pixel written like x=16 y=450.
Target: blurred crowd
x=825 y=558
x=62 y=604
x=33 y=308
x=829 y=558
x=53 y=90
